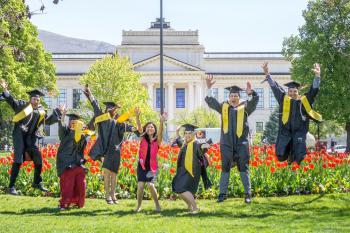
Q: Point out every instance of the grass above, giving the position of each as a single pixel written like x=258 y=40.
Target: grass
x=313 y=213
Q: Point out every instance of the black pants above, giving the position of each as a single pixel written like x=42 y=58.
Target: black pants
x=36 y=157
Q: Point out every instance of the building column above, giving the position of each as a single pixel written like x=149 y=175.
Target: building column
x=150 y=94
x=171 y=107
x=191 y=96
x=199 y=95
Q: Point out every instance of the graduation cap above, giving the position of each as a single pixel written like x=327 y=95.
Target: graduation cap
x=111 y=105
x=73 y=116
x=35 y=93
x=189 y=127
x=293 y=84
x=234 y=89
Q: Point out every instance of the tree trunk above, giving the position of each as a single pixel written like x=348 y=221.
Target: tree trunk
x=347 y=128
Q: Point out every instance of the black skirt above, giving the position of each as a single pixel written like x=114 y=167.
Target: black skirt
x=145 y=175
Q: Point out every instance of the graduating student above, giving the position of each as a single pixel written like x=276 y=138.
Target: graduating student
x=29 y=116
x=234 y=144
x=188 y=171
x=147 y=168
x=295 y=112
x=109 y=141
x=70 y=161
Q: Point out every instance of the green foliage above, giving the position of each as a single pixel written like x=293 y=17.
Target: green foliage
x=23 y=62
x=271 y=128
x=257 y=139
x=327 y=128
x=201 y=117
x=113 y=79
x=324 y=38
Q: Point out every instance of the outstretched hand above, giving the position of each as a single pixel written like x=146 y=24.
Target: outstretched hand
x=249 y=89
x=87 y=91
x=163 y=117
x=317 y=70
x=265 y=68
x=210 y=81
x=137 y=111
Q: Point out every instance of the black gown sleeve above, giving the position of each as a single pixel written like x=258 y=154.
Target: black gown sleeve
x=277 y=90
x=213 y=103
x=311 y=94
x=252 y=103
x=16 y=105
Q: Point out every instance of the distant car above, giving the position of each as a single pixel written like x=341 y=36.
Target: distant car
x=338 y=149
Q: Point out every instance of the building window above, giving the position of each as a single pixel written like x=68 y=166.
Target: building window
x=273 y=101
x=226 y=94
x=62 y=98
x=216 y=93
x=158 y=97
x=260 y=92
x=180 y=97
x=259 y=127
x=48 y=101
x=77 y=94
x=47 y=130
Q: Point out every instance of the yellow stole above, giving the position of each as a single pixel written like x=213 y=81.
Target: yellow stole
x=78 y=130
x=286 y=109
x=240 y=119
x=125 y=116
x=25 y=112
x=103 y=117
x=189 y=158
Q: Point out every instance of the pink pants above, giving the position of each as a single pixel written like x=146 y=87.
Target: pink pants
x=73 y=184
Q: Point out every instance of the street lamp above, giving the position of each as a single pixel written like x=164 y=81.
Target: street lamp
x=161 y=59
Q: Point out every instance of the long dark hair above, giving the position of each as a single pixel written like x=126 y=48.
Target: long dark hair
x=145 y=135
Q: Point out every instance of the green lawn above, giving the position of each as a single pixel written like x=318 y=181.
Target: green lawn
x=314 y=213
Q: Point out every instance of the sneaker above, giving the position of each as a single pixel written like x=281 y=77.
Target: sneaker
x=40 y=186
x=13 y=191
x=222 y=197
x=248 y=198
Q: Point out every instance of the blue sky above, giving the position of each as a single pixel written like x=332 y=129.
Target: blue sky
x=224 y=25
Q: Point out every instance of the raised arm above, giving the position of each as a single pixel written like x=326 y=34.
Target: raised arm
x=209 y=99
x=138 y=122
x=92 y=100
x=277 y=90
x=315 y=84
x=161 y=127
x=62 y=128
x=253 y=99
x=16 y=105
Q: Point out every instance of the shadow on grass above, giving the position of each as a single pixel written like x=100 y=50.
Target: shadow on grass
x=56 y=211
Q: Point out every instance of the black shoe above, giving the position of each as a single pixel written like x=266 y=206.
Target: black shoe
x=208 y=185
x=13 y=191
x=222 y=197
x=40 y=187
x=248 y=198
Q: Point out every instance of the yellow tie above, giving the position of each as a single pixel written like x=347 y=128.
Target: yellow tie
x=189 y=158
x=286 y=109
x=313 y=114
x=22 y=114
x=42 y=116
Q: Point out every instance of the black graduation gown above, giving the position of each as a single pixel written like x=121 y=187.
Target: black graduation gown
x=25 y=140
x=291 y=137
x=109 y=140
x=182 y=180
x=234 y=149
x=70 y=153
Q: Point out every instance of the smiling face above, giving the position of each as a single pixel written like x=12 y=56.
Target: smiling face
x=150 y=129
x=234 y=98
x=293 y=93
x=71 y=124
x=35 y=101
x=189 y=136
